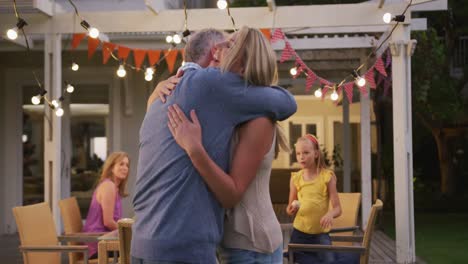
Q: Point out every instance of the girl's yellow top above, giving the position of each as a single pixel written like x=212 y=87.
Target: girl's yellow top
x=314 y=201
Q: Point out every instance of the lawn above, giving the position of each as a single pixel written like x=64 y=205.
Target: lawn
x=440 y=237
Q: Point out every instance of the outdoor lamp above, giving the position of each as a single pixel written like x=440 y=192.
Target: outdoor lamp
x=222 y=4
x=318 y=93
x=358 y=79
x=92 y=31
x=334 y=96
x=35 y=100
x=12 y=33
x=69 y=88
x=75 y=66
x=293 y=71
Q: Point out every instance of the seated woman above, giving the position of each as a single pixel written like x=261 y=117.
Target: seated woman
x=106 y=204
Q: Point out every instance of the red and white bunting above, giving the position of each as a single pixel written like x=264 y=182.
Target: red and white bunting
x=277 y=35
x=379 y=66
x=348 y=87
x=324 y=90
x=311 y=78
x=369 y=76
x=363 y=90
x=287 y=52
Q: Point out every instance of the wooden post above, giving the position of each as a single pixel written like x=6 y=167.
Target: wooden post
x=346 y=147
x=403 y=145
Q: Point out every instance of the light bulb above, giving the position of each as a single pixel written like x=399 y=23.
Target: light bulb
x=121 y=72
x=318 y=93
x=35 y=100
x=293 y=71
x=183 y=63
x=12 y=33
x=148 y=77
x=176 y=38
x=222 y=4
x=59 y=112
x=387 y=18
x=55 y=103
x=75 y=66
x=93 y=32
x=169 y=39
x=360 y=81
x=70 y=88
x=149 y=70
x=334 y=96
x=24 y=138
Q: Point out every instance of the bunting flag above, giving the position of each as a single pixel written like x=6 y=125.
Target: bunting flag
x=266 y=32
x=348 y=87
x=123 y=52
x=139 y=57
x=363 y=90
x=92 y=46
x=324 y=90
x=76 y=40
x=287 y=52
x=325 y=82
x=369 y=76
x=379 y=66
x=311 y=77
x=171 y=56
x=107 y=49
x=277 y=35
x=299 y=71
x=153 y=56
x=338 y=91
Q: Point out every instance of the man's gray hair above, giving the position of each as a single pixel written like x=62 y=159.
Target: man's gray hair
x=200 y=44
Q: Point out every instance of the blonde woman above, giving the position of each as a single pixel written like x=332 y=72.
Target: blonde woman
x=106 y=204
x=252 y=233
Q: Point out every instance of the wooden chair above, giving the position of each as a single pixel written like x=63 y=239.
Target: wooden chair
x=363 y=249
x=73 y=225
x=39 y=241
x=125 y=238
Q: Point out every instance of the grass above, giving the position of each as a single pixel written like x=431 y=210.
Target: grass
x=440 y=237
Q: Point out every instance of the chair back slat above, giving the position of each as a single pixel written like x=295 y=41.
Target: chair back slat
x=376 y=207
x=71 y=215
x=350 y=203
x=36 y=227
x=125 y=238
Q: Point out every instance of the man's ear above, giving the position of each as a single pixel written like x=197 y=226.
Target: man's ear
x=214 y=53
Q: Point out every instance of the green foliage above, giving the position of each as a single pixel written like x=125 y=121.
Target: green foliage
x=335 y=160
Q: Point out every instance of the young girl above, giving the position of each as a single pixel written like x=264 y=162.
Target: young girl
x=310 y=192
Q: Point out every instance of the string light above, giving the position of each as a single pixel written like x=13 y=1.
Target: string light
x=358 y=79
x=222 y=4
x=334 y=96
x=293 y=71
x=176 y=38
x=59 y=112
x=318 y=93
x=387 y=18
x=55 y=103
x=149 y=74
x=70 y=88
x=35 y=100
x=12 y=33
x=75 y=66
x=169 y=39
x=92 y=31
x=121 y=72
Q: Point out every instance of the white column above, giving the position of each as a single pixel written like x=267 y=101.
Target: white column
x=53 y=151
x=402 y=145
x=346 y=148
x=366 y=179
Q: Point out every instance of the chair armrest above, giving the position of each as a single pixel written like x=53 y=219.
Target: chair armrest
x=346 y=238
x=315 y=247
x=344 y=229
x=80 y=237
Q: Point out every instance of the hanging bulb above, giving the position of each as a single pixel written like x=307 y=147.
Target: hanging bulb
x=176 y=38
x=70 y=88
x=318 y=93
x=169 y=39
x=24 y=138
x=293 y=71
x=93 y=32
x=387 y=18
x=148 y=77
x=121 y=72
x=55 y=103
x=75 y=66
x=35 y=100
x=183 y=63
x=59 y=112
x=222 y=4
x=12 y=33
x=360 y=81
x=334 y=96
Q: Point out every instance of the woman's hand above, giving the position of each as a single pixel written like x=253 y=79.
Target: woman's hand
x=326 y=221
x=163 y=89
x=187 y=134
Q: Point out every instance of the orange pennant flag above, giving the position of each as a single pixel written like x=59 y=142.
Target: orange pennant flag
x=139 y=56
x=266 y=32
x=123 y=52
x=153 y=56
x=92 y=46
x=107 y=49
x=171 y=56
x=76 y=40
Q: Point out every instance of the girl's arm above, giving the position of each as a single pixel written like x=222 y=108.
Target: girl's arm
x=327 y=220
x=292 y=210
x=256 y=138
x=106 y=198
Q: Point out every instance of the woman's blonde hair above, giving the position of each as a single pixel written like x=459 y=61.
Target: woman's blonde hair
x=106 y=173
x=320 y=160
x=256 y=56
